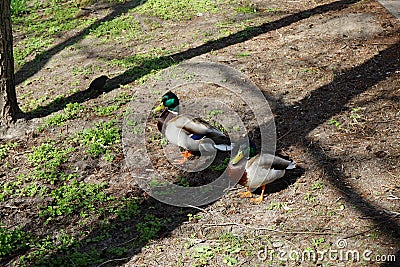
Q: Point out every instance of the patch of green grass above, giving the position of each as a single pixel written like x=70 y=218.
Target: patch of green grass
x=203 y=254
x=42 y=22
x=47 y=159
x=34 y=104
x=228 y=248
x=4 y=148
x=71 y=111
x=222 y=166
x=317 y=241
x=105 y=111
x=148 y=228
x=182 y=181
x=244 y=54
x=122 y=98
x=278 y=206
x=317 y=186
x=101 y=139
x=75 y=196
x=12 y=240
x=18 y=7
x=214 y=112
x=177 y=9
x=125 y=26
x=248 y=9
x=128 y=210
x=118 y=101
x=336 y=123
x=309 y=197
x=86 y=70
x=139 y=66
x=192 y=217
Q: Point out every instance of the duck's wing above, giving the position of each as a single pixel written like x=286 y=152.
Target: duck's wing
x=198 y=128
x=275 y=162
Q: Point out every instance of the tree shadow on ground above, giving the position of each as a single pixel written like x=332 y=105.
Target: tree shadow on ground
x=34 y=66
x=322 y=104
x=327 y=101
x=163 y=62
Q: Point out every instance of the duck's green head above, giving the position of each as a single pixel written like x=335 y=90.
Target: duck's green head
x=169 y=100
x=245 y=149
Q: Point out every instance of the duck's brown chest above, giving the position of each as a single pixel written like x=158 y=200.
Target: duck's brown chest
x=234 y=171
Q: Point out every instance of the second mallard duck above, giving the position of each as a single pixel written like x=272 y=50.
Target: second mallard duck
x=259 y=169
x=191 y=133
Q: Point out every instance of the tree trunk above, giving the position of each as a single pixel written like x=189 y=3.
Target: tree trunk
x=9 y=110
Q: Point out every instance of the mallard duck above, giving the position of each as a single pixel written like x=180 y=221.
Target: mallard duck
x=259 y=169
x=191 y=133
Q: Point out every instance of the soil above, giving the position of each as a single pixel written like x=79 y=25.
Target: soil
x=330 y=70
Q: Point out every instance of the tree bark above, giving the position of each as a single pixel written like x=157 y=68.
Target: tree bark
x=9 y=110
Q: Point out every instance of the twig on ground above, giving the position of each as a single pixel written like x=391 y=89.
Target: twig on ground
x=269 y=229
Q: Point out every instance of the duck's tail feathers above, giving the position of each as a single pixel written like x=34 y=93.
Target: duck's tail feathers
x=223 y=147
x=291 y=165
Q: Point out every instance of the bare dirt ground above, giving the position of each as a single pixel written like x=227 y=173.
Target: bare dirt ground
x=330 y=72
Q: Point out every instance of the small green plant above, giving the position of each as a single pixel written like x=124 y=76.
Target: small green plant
x=177 y=9
x=18 y=7
x=309 y=70
x=101 y=139
x=354 y=116
x=246 y=9
x=244 y=54
x=341 y=206
x=192 y=217
x=105 y=111
x=222 y=166
x=182 y=181
x=317 y=186
x=71 y=111
x=212 y=113
x=12 y=241
x=75 y=196
x=374 y=234
x=203 y=254
x=149 y=228
x=317 y=241
x=131 y=208
x=4 y=148
x=336 y=123
x=278 y=206
x=309 y=197
x=47 y=159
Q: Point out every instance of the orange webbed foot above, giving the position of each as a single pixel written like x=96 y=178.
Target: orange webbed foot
x=245 y=194
x=257 y=200
x=186 y=155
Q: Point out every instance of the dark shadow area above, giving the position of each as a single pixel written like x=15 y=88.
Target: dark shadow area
x=394 y=263
x=113 y=242
x=35 y=65
x=291 y=176
x=166 y=61
x=327 y=101
x=331 y=99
